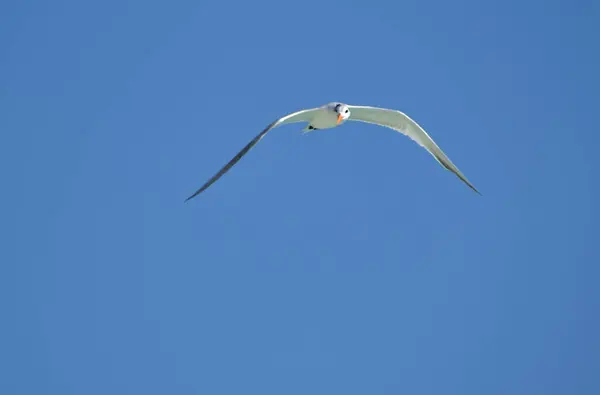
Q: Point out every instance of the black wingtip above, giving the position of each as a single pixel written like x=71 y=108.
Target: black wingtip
x=190 y=198
x=472 y=187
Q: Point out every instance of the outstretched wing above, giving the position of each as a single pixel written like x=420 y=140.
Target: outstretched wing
x=402 y=123
x=300 y=116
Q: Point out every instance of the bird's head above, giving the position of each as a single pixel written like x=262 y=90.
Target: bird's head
x=341 y=111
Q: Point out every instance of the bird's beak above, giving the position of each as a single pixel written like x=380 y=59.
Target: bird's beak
x=339 y=119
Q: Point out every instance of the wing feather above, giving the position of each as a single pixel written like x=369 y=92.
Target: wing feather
x=299 y=116
x=402 y=123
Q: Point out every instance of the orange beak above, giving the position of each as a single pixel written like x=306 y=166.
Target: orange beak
x=339 y=119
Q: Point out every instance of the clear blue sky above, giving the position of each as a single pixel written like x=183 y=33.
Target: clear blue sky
x=342 y=262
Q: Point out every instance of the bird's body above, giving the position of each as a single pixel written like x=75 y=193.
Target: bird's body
x=324 y=118
x=334 y=114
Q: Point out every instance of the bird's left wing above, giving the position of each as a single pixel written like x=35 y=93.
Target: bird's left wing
x=299 y=116
x=402 y=123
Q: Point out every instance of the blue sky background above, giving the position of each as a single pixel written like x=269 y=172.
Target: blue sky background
x=346 y=261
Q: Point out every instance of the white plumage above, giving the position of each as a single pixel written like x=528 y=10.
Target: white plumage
x=334 y=114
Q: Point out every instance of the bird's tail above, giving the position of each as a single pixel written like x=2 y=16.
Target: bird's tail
x=307 y=129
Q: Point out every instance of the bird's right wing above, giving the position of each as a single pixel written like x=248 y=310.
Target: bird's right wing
x=299 y=116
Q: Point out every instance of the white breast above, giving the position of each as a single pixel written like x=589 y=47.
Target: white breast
x=324 y=119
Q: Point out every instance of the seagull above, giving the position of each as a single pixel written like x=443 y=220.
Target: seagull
x=335 y=114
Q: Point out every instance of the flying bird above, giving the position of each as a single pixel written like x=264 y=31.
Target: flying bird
x=335 y=114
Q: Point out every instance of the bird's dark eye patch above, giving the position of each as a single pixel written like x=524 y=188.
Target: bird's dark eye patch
x=346 y=111
x=337 y=108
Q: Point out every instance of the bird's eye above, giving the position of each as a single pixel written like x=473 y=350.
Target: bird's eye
x=346 y=111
